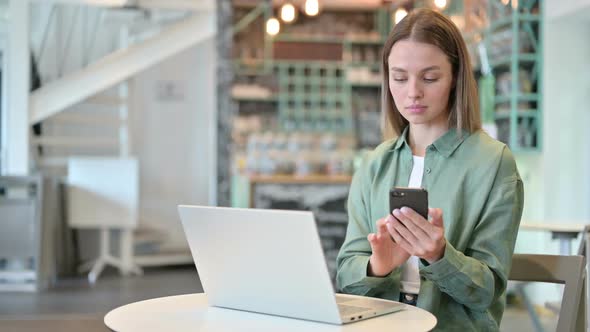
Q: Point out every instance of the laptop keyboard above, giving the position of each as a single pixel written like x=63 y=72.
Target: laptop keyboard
x=346 y=310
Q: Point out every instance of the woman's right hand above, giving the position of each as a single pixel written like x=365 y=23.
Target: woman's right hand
x=386 y=254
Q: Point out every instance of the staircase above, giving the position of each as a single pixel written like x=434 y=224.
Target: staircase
x=84 y=107
x=86 y=111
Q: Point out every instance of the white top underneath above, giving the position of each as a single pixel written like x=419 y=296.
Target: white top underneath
x=410 y=279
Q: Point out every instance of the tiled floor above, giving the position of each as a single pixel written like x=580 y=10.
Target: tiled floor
x=518 y=320
x=75 y=306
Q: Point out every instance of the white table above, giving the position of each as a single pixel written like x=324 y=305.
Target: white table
x=564 y=232
x=192 y=313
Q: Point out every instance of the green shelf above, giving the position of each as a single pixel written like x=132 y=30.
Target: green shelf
x=316 y=95
x=309 y=93
x=524 y=25
x=507 y=21
x=520 y=114
x=311 y=96
x=519 y=98
x=272 y=99
x=374 y=65
x=366 y=85
x=507 y=60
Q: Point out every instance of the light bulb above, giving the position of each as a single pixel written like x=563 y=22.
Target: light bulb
x=440 y=4
x=273 y=26
x=312 y=7
x=400 y=13
x=288 y=13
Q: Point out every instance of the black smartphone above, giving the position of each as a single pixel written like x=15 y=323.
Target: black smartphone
x=414 y=198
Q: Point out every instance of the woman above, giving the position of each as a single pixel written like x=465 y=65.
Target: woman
x=455 y=265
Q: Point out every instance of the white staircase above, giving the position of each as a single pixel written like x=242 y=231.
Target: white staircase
x=95 y=127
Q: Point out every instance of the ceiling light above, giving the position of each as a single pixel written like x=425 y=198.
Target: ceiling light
x=288 y=13
x=400 y=13
x=440 y=4
x=273 y=26
x=312 y=7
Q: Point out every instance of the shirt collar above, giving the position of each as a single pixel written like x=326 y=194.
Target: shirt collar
x=401 y=139
x=450 y=141
x=445 y=145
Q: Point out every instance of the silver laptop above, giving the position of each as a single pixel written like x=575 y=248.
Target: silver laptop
x=271 y=262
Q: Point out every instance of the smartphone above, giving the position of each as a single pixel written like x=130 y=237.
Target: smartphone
x=414 y=198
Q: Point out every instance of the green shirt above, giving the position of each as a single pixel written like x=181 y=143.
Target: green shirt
x=474 y=180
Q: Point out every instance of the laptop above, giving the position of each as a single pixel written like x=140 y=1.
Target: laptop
x=270 y=262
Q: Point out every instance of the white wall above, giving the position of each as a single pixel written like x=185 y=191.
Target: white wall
x=560 y=9
x=174 y=138
x=567 y=118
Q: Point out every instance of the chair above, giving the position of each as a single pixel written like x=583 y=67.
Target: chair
x=567 y=270
x=103 y=194
x=584 y=250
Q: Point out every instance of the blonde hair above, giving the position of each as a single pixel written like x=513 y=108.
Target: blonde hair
x=430 y=27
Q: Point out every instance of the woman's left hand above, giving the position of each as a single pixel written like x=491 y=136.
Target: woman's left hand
x=416 y=235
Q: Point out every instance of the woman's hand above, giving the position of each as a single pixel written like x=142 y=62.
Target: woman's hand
x=386 y=254
x=418 y=236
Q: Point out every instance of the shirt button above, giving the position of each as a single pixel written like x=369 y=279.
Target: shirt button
x=427 y=170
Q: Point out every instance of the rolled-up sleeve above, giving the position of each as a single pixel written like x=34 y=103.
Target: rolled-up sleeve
x=478 y=276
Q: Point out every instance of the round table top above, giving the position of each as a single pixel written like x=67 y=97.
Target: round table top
x=191 y=312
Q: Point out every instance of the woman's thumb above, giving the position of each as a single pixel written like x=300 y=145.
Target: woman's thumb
x=371 y=239
x=436 y=217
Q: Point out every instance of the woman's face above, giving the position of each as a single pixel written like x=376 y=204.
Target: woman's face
x=420 y=81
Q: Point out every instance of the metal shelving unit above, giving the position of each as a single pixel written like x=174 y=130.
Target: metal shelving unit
x=313 y=96
x=518 y=111
x=317 y=95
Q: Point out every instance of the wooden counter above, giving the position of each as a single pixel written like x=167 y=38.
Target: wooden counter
x=308 y=179
x=324 y=195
